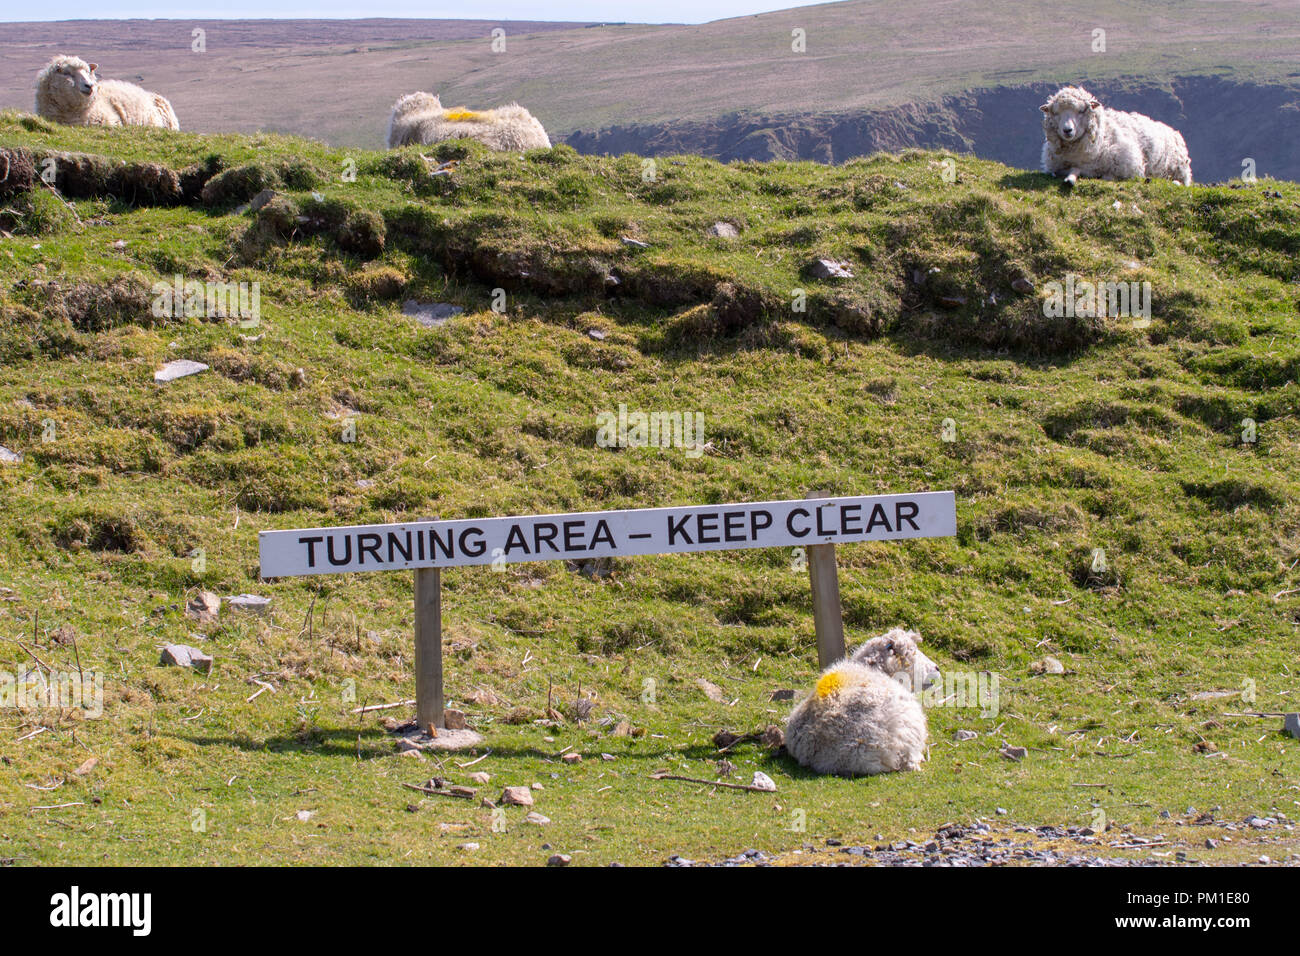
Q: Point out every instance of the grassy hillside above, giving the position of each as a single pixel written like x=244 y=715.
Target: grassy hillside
x=1071 y=435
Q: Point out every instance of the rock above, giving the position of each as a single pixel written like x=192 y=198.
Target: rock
x=86 y=767
x=249 y=602
x=1211 y=844
x=480 y=777
x=468 y=847
x=711 y=690
x=571 y=758
x=607 y=757
x=483 y=697
x=305 y=815
x=960 y=735
x=537 y=786
x=635 y=243
x=723 y=230
x=182 y=655
x=559 y=859
x=516 y=797
x=532 y=816
x=454 y=720
x=829 y=269
x=9 y=457
x=1292 y=724
x=1022 y=285
x=1048 y=665
x=1014 y=753
x=763 y=782
x=178 y=369
x=412 y=752
x=431 y=314
x=203 y=607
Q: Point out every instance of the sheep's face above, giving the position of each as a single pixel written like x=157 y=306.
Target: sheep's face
x=897 y=655
x=74 y=80
x=1068 y=117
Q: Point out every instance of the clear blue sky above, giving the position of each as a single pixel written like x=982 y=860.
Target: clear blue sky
x=633 y=11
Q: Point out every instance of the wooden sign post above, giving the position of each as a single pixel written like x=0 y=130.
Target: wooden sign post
x=816 y=523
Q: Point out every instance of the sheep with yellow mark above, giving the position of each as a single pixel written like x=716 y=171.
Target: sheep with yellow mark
x=863 y=717
x=419 y=118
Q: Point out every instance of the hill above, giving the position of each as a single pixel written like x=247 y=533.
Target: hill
x=1127 y=497
x=948 y=74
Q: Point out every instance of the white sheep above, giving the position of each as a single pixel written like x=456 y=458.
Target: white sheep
x=1085 y=139
x=67 y=91
x=421 y=118
x=862 y=717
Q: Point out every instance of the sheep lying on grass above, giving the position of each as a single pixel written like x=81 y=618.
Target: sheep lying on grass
x=1085 y=139
x=421 y=118
x=863 y=718
x=67 y=91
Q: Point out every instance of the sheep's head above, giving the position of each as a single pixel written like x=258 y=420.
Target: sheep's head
x=896 y=654
x=70 y=80
x=412 y=102
x=1070 y=114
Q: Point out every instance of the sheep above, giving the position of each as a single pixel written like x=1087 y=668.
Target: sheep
x=421 y=118
x=1084 y=139
x=67 y=91
x=862 y=717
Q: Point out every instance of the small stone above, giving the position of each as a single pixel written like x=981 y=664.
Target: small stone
x=480 y=777
x=763 y=782
x=607 y=757
x=454 y=720
x=724 y=739
x=412 y=752
x=1048 y=665
x=572 y=758
x=182 y=655
x=119 y=245
x=830 y=269
x=1014 y=753
x=537 y=786
x=960 y=735
x=711 y=690
x=532 y=816
x=559 y=859
x=516 y=797
x=723 y=230
x=203 y=607
x=249 y=602
x=261 y=199
x=305 y=815
x=1002 y=811
x=180 y=368
x=635 y=243
x=1211 y=844
x=596 y=334
x=468 y=847
x=9 y=457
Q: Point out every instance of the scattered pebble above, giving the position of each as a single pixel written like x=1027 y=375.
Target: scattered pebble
x=179 y=368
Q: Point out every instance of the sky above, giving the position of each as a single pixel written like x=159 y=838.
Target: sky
x=632 y=11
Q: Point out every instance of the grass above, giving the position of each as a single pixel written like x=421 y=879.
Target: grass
x=1070 y=436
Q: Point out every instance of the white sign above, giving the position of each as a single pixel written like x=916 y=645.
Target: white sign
x=602 y=534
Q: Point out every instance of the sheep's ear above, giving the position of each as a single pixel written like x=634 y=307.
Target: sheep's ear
x=94 y=67
x=1094 y=105
x=1046 y=107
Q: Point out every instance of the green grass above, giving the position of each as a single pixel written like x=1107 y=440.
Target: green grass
x=1070 y=437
